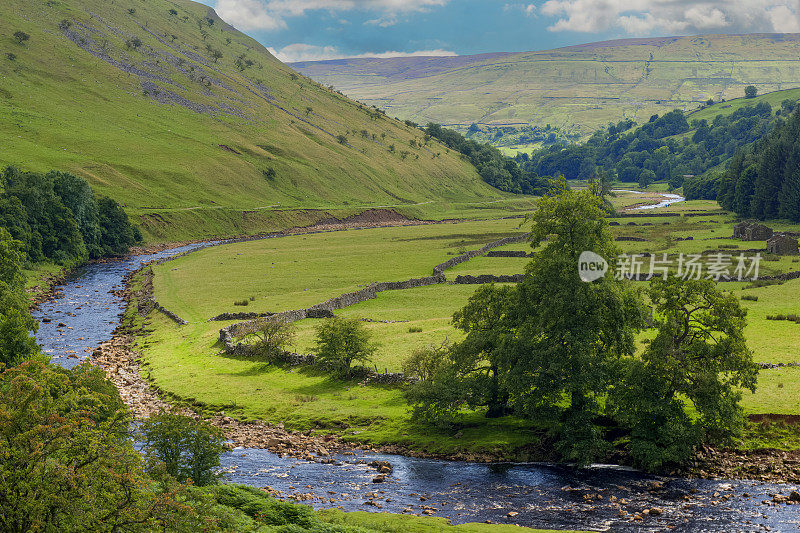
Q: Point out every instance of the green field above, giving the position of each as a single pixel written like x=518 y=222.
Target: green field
x=298 y=271
x=575 y=89
x=193 y=146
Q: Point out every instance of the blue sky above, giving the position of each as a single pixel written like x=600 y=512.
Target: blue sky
x=297 y=30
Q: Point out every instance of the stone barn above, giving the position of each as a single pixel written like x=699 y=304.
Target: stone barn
x=752 y=231
x=739 y=229
x=782 y=245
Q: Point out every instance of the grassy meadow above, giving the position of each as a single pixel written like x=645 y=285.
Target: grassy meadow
x=298 y=271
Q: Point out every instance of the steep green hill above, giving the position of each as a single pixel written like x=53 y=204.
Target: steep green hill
x=195 y=127
x=575 y=89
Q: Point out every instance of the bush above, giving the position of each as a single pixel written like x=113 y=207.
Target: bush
x=21 y=37
x=342 y=342
x=242 y=303
x=133 y=43
x=749 y=298
x=272 y=336
x=188 y=449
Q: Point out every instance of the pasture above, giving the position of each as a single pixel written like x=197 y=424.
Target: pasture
x=295 y=272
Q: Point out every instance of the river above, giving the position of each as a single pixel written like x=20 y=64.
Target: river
x=87 y=310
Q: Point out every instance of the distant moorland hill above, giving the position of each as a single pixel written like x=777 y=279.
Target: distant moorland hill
x=573 y=89
x=196 y=128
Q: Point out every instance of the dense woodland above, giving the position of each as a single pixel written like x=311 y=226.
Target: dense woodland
x=667 y=148
x=57 y=217
x=763 y=180
x=495 y=168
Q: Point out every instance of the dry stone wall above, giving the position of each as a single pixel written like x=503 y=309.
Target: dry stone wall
x=450 y=263
x=228 y=334
x=489 y=278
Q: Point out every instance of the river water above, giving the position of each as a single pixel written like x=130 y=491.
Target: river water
x=87 y=311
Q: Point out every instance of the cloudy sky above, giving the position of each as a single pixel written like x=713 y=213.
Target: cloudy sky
x=299 y=30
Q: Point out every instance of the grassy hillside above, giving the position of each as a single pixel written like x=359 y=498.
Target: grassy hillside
x=195 y=127
x=774 y=99
x=577 y=88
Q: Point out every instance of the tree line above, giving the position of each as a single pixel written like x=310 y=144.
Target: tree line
x=561 y=353
x=57 y=217
x=666 y=148
x=496 y=169
x=763 y=180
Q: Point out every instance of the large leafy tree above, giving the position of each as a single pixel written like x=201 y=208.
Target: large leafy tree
x=549 y=348
x=699 y=356
x=66 y=463
x=188 y=449
x=481 y=362
x=57 y=217
x=570 y=335
x=46 y=226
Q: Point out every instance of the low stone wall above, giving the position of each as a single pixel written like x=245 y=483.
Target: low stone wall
x=238 y=316
x=146 y=302
x=323 y=310
x=489 y=278
x=450 y=263
x=631 y=239
x=172 y=316
x=508 y=253
x=770 y=366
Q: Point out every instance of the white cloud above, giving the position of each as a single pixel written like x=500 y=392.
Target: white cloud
x=528 y=9
x=784 y=20
x=249 y=15
x=271 y=14
x=309 y=52
x=641 y=17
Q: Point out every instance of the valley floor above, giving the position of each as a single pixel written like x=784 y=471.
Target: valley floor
x=274 y=275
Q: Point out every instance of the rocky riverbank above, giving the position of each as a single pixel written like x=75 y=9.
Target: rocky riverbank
x=769 y=465
x=46 y=287
x=121 y=361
